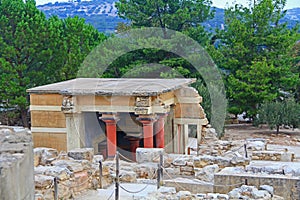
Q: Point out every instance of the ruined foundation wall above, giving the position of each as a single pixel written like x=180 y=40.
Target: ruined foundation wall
x=16 y=164
x=287 y=187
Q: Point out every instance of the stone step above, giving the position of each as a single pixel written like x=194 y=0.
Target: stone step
x=192 y=185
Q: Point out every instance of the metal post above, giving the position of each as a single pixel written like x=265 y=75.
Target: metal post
x=55 y=189
x=158 y=175
x=245 y=148
x=117 y=177
x=161 y=161
x=100 y=174
x=160 y=171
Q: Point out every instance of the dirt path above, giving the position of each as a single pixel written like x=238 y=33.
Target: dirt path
x=244 y=131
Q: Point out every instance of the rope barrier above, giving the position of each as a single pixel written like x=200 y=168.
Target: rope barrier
x=126 y=158
x=232 y=151
x=236 y=184
x=111 y=195
x=75 y=186
x=134 y=192
x=174 y=180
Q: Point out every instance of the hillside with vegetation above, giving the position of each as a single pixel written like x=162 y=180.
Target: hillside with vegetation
x=103 y=14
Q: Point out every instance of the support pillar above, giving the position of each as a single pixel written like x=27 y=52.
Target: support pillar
x=160 y=132
x=147 y=122
x=75 y=130
x=111 y=133
x=186 y=138
x=134 y=144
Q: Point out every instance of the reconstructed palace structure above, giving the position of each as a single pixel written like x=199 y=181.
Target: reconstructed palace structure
x=111 y=114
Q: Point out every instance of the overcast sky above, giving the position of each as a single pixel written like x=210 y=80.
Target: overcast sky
x=217 y=3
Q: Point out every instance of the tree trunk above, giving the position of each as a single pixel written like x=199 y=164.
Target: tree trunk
x=24 y=118
x=277 y=129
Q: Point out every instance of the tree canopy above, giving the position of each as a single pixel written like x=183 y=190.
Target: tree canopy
x=254 y=54
x=35 y=50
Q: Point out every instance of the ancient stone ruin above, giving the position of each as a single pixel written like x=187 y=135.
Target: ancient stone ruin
x=16 y=164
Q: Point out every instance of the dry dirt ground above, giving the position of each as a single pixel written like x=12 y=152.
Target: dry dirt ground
x=287 y=137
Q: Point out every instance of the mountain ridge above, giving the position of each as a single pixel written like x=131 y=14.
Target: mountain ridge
x=103 y=14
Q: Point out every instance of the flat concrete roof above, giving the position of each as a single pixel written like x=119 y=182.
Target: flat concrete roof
x=112 y=86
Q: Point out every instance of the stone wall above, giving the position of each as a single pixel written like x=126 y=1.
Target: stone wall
x=285 y=186
x=273 y=156
x=16 y=164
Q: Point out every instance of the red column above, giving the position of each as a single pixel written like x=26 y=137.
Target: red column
x=160 y=132
x=148 y=131
x=111 y=134
x=134 y=144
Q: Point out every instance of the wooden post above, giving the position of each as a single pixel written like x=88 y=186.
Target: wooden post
x=245 y=148
x=55 y=189
x=161 y=160
x=160 y=171
x=158 y=176
x=100 y=174
x=117 y=177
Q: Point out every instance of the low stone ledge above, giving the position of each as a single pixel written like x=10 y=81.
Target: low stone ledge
x=82 y=154
x=273 y=156
x=145 y=155
x=224 y=182
x=192 y=185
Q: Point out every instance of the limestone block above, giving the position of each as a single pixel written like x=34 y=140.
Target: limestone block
x=233 y=170
x=187 y=169
x=184 y=195
x=223 y=197
x=257 y=145
x=44 y=155
x=82 y=154
x=98 y=158
x=43 y=181
x=71 y=165
x=207 y=173
x=61 y=172
x=201 y=196
x=36 y=159
x=127 y=176
x=63 y=156
x=235 y=194
x=167 y=190
x=107 y=181
x=212 y=196
x=81 y=181
x=260 y=194
x=64 y=190
x=239 y=161
x=44 y=194
x=190 y=184
x=172 y=171
x=105 y=170
x=145 y=170
x=286 y=157
x=206 y=160
x=144 y=155
x=180 y=160
x=268 y=188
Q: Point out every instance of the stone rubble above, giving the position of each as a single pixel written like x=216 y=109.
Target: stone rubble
x=78 y=170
